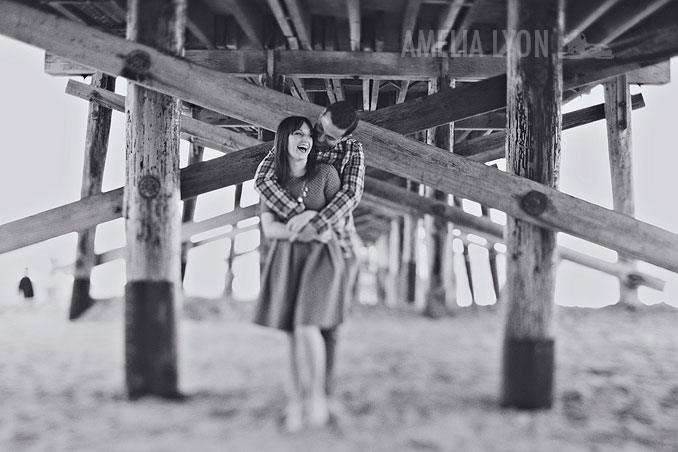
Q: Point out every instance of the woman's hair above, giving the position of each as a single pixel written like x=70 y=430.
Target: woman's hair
x=286 y=128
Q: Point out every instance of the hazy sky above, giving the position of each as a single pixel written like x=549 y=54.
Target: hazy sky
x=44 y=134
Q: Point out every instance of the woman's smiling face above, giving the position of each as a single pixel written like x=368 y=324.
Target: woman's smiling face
x=299 y=143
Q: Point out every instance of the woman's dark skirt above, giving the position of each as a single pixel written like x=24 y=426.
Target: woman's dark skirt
x=302 y=284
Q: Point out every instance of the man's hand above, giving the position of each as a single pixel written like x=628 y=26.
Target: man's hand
x=298 y=222
x=307 y=234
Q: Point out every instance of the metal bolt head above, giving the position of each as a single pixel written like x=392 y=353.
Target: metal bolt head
x=534 y=203
x=149 y=186
x=137 y=65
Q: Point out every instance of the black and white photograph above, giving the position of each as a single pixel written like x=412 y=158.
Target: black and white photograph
x=338 y=226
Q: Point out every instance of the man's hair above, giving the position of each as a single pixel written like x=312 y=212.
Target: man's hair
x=281 y=165
x=344 y=116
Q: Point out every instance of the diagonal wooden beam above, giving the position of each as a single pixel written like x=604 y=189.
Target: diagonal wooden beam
x=217 y=138
x=200 y=21
x=446 y=22
x=301 y=18
x=622 y=18
x=410 y=15
x=580 y=15
x=249 y=19
x=387 y=149
x=283 y=23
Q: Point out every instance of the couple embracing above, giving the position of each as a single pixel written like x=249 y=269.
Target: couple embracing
x=309 y=184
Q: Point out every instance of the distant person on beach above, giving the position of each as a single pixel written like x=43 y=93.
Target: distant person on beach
x=26 y=286
x=304 y=277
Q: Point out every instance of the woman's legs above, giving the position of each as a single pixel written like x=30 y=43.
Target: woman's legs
x=294 y=413
x=312 y=362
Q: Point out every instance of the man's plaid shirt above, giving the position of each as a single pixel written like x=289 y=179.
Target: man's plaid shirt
x=348 y=159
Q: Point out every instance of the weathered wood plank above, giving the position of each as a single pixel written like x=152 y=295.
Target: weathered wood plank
x=283 y=23
x=301 y=18
x=214 y=137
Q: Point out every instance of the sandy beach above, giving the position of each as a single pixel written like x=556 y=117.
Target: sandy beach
x=406 y=383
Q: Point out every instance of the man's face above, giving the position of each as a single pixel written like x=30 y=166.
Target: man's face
x=327 y=135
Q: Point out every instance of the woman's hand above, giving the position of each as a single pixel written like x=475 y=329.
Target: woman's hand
x=297 y=223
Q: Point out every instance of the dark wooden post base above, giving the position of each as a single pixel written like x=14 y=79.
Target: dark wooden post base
x=528 y=370
x=150 y=339
x=80 y=299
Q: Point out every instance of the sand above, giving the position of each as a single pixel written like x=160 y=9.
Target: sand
x=406 y=383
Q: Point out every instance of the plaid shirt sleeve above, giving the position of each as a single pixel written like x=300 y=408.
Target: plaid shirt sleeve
x=272 y=193
x=348 y=197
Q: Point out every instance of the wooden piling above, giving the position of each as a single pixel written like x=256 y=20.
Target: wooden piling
x=392 y=293
x=96 y=148
x=436 y=227
x=408 y=269
x=228 y=280
x=534 y=92
x=618 y=117
x=153 y=217
x=195 y=154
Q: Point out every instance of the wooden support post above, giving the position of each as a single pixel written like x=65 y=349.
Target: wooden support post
x=436 y=228
x=618 y=115
x=467 y=260
x=153 y=219
x=228 y=285
x=96 y=148
x=274 y=81
x=408 y=271
x=382 y=269
x=492 y=255
x=392 y=292
x=534 y=126
x=195 y=154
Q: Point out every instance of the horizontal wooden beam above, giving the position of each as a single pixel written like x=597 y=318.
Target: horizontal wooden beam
x=389 y=150
x=321 y=64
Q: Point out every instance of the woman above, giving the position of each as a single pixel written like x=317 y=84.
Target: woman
x=301 y=284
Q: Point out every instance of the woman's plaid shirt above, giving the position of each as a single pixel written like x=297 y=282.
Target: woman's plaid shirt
x=348 y=158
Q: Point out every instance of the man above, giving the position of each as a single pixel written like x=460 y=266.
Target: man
x=332 y=139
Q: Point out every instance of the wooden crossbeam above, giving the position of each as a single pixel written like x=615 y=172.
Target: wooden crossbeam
x=323 y=64
x=388 y=150
x=485 y=149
